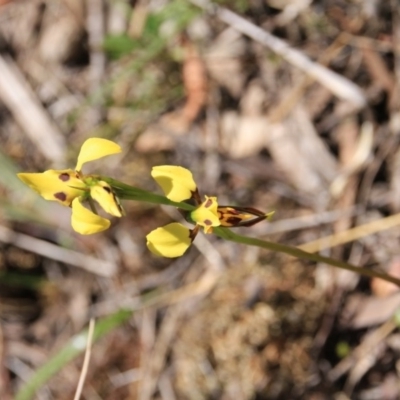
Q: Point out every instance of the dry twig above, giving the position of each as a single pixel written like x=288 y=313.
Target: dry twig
x=54 y=252
x=19 y=98
x=86 y=360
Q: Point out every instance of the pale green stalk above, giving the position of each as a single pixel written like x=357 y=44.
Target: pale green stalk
x=227 y=234
x=127 y=192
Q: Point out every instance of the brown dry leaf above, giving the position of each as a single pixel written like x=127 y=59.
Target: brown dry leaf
x=163 y=134
x=138 y=19
x=20 y=30
x=383 y=288
x=346 y=134
x=61 y=40
x=252 y=101
x=298 y=150
x=366 y=355
x=377 y=69
x=223 y=61
x=387 y=389
x=317 y=99
x=117 y=19
x=363 y=357
x=283 y=145
x=362 y=311
x=290 y=10
x=77 y=7
x=357 y=155
x=5 y=387
x=195 y=83
x=244 y=135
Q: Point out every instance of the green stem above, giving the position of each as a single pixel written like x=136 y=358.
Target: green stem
x=295 y=252
x=127 y=192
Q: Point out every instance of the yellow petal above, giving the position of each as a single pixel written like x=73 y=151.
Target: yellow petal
x=104 y=195
x=206 y=214
x=176 y=182
x=56 y=185
x=85 y=222
x=95 y=148
x=170 y=241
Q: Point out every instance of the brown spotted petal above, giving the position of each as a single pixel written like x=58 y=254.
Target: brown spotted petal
x=56 y=185
x=206 y=214
x=231 y=216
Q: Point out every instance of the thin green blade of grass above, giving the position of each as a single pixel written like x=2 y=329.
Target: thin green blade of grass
x=70 y=351
x=27 y=281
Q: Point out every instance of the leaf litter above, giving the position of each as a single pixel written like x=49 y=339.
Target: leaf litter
x=303 y=119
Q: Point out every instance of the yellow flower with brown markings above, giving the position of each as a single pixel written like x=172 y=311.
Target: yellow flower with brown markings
x=70 y=188
x=174 y=239
x=178 y=185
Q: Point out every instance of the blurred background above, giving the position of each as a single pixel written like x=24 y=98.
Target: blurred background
x=295 y=110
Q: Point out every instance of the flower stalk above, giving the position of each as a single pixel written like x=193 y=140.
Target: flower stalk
x=72 y=188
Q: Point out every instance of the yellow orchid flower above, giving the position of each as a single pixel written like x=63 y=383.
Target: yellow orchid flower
x=70 y=188
x=178 y=185
x=174 y=239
